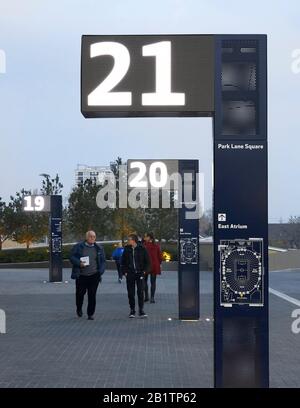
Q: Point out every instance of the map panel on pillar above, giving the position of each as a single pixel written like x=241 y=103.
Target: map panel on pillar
x=241 y=272
x=56 y=244
x=188 y=251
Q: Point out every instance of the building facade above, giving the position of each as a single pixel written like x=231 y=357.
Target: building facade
x=98 y=174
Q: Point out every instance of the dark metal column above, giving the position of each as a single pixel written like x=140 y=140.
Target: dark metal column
x=241 y=212
x=55 y=239
x=188 y=249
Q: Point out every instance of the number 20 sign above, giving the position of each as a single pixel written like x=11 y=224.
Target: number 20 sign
x=151 y=75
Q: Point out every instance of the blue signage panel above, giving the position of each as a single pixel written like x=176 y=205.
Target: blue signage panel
x=154 y=176
x=55 y=239
x=188 y=247
x=240 y=213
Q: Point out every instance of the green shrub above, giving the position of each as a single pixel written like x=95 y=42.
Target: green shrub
x=24 y=255
x=42 y=254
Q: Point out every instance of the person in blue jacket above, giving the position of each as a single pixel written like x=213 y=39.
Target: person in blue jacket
x=88 y=260
x=116 y=256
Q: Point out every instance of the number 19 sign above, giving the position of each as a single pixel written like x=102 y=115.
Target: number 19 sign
x=147 y=75
x=36 y=203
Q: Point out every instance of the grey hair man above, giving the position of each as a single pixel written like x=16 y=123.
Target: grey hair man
x=88 y=260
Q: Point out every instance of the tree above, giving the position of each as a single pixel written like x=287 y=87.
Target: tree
x=25 y=227
x=123 y=218
x=5 y=231
x=294 y=232
x=124 y=222
x=206 y=223
x=51 y=186
x=161 y=221
x=83 y=213
x=294 y=219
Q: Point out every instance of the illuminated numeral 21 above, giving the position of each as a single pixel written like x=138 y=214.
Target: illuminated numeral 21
x=102 y=95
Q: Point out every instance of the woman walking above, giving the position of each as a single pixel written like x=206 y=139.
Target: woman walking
x=155 y=255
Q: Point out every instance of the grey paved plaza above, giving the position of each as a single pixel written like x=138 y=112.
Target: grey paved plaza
x=46 y=345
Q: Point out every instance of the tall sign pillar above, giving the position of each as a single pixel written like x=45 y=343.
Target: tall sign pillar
x=153 y=177
x=188 y=243
x=55 y=239
x=224 y=76
x=51 y=204
x=241 y=212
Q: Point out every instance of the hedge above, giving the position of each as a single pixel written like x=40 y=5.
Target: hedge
x=42 y=254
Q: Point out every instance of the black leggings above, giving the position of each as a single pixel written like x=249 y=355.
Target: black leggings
x=153 y=285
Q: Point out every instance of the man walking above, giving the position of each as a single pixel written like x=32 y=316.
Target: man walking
x=135 y=262
x=88 y=260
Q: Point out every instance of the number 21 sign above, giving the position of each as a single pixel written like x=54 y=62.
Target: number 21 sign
x=151 y=75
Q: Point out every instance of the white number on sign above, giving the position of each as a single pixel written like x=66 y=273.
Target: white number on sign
x=161 y=168
x=137 y=181
x=102 y=95
x=39 y=203
x=163 y=94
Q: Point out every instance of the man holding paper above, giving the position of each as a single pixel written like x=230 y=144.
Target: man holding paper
x=88 y=260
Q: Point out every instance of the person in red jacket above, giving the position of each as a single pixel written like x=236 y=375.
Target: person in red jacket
x=155 y=255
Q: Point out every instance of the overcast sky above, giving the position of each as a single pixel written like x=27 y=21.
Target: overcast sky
x=43 y=131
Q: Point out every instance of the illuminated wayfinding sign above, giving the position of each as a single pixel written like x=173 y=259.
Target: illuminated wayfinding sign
x=53 y=205
x=37 y=203
x=155 y=174
x=181 y=178
x=225 y=77
x=146 y=75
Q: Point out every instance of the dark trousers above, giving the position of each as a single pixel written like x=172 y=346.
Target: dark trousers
x=153 y=285
x=118 y=264
x=87 y=284
x=137 y=280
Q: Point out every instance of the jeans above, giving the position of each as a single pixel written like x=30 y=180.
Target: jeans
x=137 y=280
x=153 y=285
x=87 y=284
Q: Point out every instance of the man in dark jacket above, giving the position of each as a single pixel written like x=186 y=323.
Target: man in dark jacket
x=135 y=262
x=88 y=260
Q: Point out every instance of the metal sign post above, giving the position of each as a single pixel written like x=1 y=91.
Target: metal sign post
x=53 y=205
x=225 y=77
x=241 y=213
x=55 y=240
x=150 y=174
x=188 y=248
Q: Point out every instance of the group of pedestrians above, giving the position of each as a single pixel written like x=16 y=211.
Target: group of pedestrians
x=138 y=261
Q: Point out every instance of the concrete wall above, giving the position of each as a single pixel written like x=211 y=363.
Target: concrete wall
x=284 y=260
x=277 y=260
x=206 y=256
